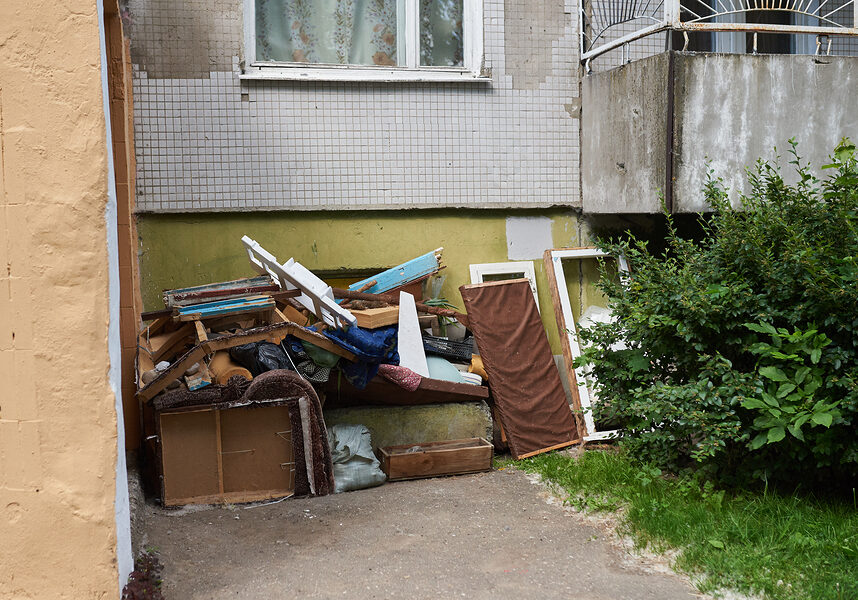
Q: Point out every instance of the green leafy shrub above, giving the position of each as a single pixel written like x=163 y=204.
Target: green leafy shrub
x=741 y=347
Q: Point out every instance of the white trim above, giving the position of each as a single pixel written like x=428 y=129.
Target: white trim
x=349 y=73
x=249 y=31
x=472 y=30
x=408 y=22
x=585 y=396
x=479 y=271
x=411 y=33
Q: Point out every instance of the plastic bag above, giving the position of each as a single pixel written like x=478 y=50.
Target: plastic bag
x=355 y=464
x=260 y=357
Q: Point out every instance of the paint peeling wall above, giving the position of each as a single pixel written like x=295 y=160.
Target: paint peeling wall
x=58 y=420
x=206 y=141
x=202 y=248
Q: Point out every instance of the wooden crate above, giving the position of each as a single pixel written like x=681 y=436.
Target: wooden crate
x=454 y=457
x=212 y=455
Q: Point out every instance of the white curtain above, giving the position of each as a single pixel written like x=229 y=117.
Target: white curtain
x=343 y=32
x=354 y=32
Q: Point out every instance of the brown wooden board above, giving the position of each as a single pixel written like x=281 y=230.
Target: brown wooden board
x=568 y=361
x=213 y=455
x=373 y=318
x=433 y=459
x=257 y=450
x=524 y=380
x=189 y=455
x=380 y=391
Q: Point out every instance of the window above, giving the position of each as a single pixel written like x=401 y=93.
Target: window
x=413 y=40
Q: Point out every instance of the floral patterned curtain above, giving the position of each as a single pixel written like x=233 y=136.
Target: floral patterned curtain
x=354 y=32
x=343 y=32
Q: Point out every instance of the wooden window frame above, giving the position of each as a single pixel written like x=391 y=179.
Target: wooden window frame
x=479 y=271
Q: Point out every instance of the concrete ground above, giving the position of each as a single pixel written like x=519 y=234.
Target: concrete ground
x=491 y=535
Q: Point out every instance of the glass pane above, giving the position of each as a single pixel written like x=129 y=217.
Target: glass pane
x=441 y=33
x=340 y=32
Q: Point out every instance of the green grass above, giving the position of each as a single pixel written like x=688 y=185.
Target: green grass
x=762 y=543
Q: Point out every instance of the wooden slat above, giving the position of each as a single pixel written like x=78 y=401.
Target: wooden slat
x=201 y=332
x=168 y=348
x=373 y=318
x=550 y=448
x=564 y=340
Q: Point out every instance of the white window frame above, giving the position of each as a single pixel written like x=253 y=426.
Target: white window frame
x=409 y=44
x=566 y=323
x=479 y=271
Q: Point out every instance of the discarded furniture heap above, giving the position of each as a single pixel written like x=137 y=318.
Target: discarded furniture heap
x=232 y=378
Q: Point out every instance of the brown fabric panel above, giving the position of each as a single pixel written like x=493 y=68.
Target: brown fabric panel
x=526 y=386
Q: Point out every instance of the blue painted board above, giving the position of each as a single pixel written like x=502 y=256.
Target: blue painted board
x=400 y=275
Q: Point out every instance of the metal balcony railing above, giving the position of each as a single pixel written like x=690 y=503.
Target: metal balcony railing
x=610 y=24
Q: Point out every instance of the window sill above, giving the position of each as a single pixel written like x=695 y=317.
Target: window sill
x=365 y=74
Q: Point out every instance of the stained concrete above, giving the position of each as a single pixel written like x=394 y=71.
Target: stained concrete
x=485 y=536
x=395 y=425
x=729 y=110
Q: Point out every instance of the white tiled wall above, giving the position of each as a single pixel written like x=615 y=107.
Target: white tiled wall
x=207 y=141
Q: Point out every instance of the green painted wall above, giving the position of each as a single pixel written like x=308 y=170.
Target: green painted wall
x=191 y=249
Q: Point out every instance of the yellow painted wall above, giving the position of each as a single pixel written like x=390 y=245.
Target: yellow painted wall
x=57 y=417
x=191 y=249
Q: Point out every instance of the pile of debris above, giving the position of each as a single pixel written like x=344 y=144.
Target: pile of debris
x=232 y=378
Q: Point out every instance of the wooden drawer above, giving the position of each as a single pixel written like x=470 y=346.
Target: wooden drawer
x=431 y=459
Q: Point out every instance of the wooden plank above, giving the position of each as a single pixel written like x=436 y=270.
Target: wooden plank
x=549 y=449
x=373 y=318
x=314 y=338
x=257 y=451
x=400 y=275
x=223 y=290
x=167 y=348
x=433 y=459
x=189 y=455
x=381 y=392
x=156 y=314
x=201 y=332
x=394 y=299
x=553 y=272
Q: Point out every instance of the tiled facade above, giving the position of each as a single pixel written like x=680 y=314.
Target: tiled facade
x=206 y=140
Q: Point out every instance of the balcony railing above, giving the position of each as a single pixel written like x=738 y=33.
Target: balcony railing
x=610 y=24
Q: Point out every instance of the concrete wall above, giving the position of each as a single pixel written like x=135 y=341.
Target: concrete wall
x=623 y=137
x=207 y=141
x=734 y=109
x=730 y=109
x=186 y=250
x=59 y=337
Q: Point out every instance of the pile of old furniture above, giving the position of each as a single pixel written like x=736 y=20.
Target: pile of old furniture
x=232 y=377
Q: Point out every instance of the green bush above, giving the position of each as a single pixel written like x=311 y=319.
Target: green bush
x=741 y=347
